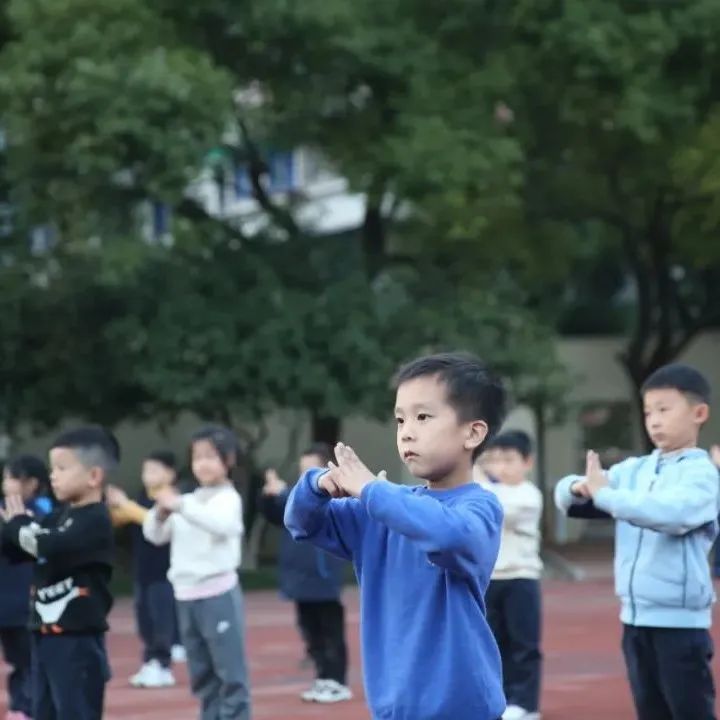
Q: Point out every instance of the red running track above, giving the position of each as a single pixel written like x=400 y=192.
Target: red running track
x=584 y=675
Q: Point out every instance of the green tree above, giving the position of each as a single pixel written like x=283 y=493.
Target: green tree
x=108 y=106
x=613 y=104
x=58 y=357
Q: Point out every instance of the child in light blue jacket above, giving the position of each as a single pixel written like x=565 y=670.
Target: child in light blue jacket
x=666 y=506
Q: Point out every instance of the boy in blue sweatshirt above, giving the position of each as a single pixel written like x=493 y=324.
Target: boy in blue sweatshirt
x=666 y=507
x=423 y=554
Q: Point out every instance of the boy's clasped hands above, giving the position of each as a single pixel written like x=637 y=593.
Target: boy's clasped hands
x=349 y=476
x=595 y=477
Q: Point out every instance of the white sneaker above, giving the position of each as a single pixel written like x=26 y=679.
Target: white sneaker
x=332 y=691
x=515 y=712
x=309 y=695
x=153 y=675
x=136 y=680
x=178 y=654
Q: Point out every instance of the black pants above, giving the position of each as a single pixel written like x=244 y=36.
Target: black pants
x=514 y=614
x=670 y=673
x=16 y=649
x=156 y=619
x=302 y=630
x=69 y=673
x=323 y=624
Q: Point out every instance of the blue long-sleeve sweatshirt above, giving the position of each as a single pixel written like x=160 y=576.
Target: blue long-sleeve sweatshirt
x=423 y=559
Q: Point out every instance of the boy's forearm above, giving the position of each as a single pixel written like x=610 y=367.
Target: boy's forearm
x=273 y=507
x=15 y=534
x=673 y=513
x=522 y=515
x=333 y=525
x=76 y=536
x=564 y=497
x=129 y=512
x=305 y=508
x=422 y=518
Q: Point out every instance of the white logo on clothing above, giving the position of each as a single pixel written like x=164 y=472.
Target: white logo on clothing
x=51 y=601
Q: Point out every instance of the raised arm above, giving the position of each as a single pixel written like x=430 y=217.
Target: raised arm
x=85 y=530
x=675 y=509
x=156 y=529
x=575 y=506
x=130 y=512
x=273 y=507
x=524 y=513
x=583 y=507
x=221 y=515
x=335 y=525
x=10 y=548
x=463 y=538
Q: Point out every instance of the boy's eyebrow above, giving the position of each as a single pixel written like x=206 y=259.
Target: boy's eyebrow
x=415 y=407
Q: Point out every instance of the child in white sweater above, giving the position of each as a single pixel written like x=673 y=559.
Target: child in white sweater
x=204 y=529
x=513 y=596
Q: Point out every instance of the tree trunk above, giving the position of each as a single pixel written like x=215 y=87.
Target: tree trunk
x=637 y=371
x=373 y=240
x=541 y=469
x=663 y=325
x=326 y=429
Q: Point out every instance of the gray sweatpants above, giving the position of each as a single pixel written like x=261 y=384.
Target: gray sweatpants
x=213 y=633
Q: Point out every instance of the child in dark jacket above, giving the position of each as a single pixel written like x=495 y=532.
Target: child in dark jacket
x=25 y=476
x=154 y=600
x=72 y=553
x=313 y=580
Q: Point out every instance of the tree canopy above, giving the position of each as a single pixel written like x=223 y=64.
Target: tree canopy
x=527 y=166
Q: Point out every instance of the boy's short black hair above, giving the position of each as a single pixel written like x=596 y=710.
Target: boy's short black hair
x=223 y=440
x=321 y=449
x=512 y=440
x=683 y=378
x=94 y=445
x=164 y=457
x=26 y=467
x=473 y=390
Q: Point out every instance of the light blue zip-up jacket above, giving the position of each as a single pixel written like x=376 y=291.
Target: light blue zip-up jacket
x=666 y=508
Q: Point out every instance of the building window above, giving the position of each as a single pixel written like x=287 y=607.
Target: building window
x=280 y=176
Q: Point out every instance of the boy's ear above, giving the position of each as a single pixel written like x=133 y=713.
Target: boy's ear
x=702 y=413
x=476 y=433
x=97 y=476
x=530 y=462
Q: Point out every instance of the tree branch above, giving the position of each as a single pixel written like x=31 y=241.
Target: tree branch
x=373 y=231
x=635 y=350
x=256 y=168
x=658 y=243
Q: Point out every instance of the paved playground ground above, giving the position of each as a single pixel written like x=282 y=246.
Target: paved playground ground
x=584 y=674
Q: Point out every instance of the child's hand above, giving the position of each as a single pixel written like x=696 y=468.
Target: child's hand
x=595 y=478
x=715 y=455
x=14 y=506
x=168 y=500
x=274 y=484
x=580 y=489
x=330 y=485
x=350 y=473
x=115 y=496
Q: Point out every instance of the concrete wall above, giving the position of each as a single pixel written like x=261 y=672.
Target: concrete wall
x=592 y=361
